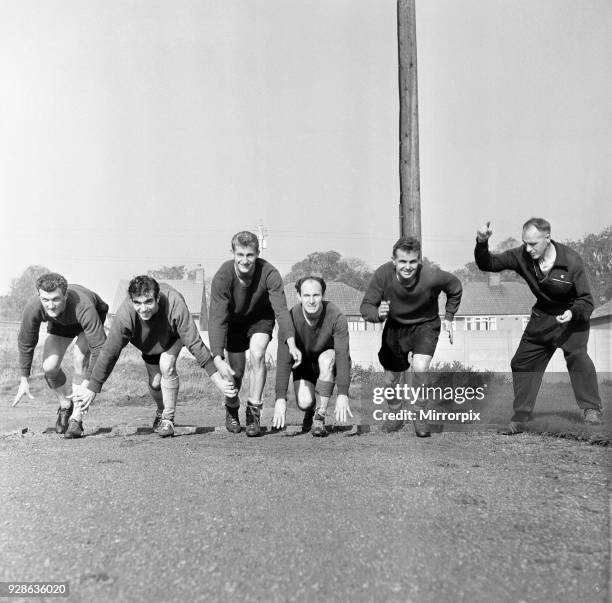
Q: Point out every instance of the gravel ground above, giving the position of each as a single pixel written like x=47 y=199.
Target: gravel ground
x=220 y=517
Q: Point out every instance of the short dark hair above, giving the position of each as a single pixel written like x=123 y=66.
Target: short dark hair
x=298 y=285
x=539 y=224
x=245 y=238
x=407 y=244
x=143 y=285
x=51 y=281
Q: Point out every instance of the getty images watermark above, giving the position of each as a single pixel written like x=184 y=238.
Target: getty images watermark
x=422 y=395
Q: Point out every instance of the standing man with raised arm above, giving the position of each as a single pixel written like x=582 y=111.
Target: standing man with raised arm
x=246 y=296
x=157 y=321
x=404 y=293
x=321 y=334
x=560 y=318
x=70 y=311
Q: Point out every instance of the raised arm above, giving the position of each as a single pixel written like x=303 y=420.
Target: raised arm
x=490 y=262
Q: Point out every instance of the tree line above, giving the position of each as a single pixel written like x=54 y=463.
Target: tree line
x=595 y=250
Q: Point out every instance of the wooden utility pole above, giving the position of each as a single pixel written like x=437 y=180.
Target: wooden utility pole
x=410 y=183
x=261 y=236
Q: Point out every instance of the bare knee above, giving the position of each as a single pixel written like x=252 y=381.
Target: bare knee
x=80 y=358
x=238 y=373
x=305 y=400
x=155 y=382
x=167 y=367
x=258 y=358
x=420 y=363
x=391 y=378
x=51 y=366
x=326 y=366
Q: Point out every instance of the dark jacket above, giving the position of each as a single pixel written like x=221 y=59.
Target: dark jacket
x=565 y=287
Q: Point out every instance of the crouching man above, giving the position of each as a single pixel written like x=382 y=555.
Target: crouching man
x=246 y=295
x=70 y=311
x=156 y=320
x=321 y=334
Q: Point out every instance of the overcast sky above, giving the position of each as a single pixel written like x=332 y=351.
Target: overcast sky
x=136 y=133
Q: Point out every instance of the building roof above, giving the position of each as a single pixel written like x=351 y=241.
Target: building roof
x=479 y=299
x=347 y=298
x=602 y=311
x=482 y=299
x=192 y=291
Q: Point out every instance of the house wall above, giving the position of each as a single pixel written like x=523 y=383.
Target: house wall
x=482 y=350
x=487 y=350
x=513 y=322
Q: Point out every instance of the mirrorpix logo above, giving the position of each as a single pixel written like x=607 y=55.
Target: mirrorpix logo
x=421 y=396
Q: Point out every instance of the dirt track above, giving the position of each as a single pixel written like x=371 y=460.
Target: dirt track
x=457 y=517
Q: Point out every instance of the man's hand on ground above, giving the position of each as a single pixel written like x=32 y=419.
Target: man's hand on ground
x=342 y=409
x=24 y=390
x=280 y=413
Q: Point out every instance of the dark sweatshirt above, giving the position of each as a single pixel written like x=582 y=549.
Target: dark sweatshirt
x=565 y=287
x=330 y=332
x=411 y=304
x=232 y=303
x=170 y=323
x=84 y=309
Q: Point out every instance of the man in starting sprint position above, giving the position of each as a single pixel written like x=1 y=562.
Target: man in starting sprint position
x=321 y=334
x=246 y=296
x=404 y=293
x=70 y=311
x=156 y=320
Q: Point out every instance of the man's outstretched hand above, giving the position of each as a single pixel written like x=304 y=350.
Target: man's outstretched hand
x=484 y=233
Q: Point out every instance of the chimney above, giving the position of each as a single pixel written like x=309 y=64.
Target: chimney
x=199 y=274
x=494 y=279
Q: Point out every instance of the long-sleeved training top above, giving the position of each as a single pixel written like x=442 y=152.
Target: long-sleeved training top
x=170 y=323
x=233 y=303
x=411 y=304
x=330 y=332
x=564 y=287
x=83 y=309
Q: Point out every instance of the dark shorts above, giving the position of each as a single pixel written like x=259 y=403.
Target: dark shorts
x=70 y=331
x=398 y=340
x=238 y=336
x=308 y=370
x=154 y=358
x=151 y=358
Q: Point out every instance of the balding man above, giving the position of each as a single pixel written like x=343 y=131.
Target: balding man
x=560 y=318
